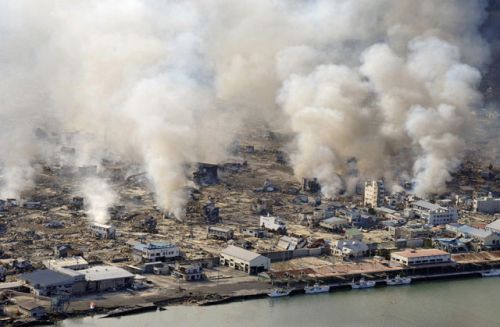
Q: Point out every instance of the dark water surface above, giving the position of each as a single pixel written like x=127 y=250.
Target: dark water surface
x=454 y=303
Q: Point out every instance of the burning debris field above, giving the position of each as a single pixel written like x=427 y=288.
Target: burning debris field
x=151 y=151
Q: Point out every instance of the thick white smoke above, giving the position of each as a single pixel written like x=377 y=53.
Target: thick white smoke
x=99 y=197
x=391 y=83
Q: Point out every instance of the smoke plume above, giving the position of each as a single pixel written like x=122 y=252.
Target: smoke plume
x=391 y=83
x=99 y=197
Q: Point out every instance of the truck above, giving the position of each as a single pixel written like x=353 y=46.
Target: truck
x=273 y=223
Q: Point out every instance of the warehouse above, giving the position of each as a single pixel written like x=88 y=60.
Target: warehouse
x=241 y=259
x=107 y=278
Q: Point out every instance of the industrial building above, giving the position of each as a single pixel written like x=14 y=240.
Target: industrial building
x=420 y=257
x=107 y=278
x=241 y=259
x=374 y=194
x=434 y=213
x=47 y=282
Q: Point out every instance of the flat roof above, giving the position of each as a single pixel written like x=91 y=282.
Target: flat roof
x=46 y=277
x=153 y=246
x=427 y=205
x=65 y=262
x=98 y=273
x=240 y=253
x=420 y=253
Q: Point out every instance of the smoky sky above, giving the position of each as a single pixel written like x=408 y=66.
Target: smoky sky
x=391 y=83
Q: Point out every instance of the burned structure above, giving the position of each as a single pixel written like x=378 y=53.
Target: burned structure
x=311 y=185
x=211 y=212
x=206 y=174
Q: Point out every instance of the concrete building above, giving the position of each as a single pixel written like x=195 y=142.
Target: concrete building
x=155 y=251
x=241 y=259
x=374 y=194
x=420 y=257
x=220 y=233
x=107 y=278
x=273 y=223
x=290 y=243
x=188 y=272
x=350 y=248
x=435 y=214
x=486 y=204
x=103 y=231
x=73 y=263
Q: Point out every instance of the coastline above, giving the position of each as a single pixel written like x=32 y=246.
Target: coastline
x=202 y=299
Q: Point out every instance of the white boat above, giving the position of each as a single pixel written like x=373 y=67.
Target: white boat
x=398 y=280
x=280 y=292
x=317 y=288
x=362 y=283
x=491 y=273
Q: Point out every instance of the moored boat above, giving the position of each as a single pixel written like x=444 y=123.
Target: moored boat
x=398 y=280
x=491 y=273
x=362 y=283
x=280 y=292
x=317 y=288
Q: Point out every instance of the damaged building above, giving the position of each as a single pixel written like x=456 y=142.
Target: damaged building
x=206 y=174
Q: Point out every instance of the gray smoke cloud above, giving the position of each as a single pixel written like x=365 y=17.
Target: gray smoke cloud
x=389 y=83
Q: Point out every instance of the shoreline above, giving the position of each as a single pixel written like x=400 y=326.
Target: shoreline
x=200 y=299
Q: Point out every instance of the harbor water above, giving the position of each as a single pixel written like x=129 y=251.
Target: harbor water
x=453 y=303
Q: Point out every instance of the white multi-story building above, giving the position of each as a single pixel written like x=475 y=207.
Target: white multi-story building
x=486 y=204
x=155 y=251
x=374 y=194
x=420 y=257
x=435 y=214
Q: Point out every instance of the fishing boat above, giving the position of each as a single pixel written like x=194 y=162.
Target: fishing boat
x=491 y=273
x=398 y=280
x=362 y=283
x=280 y=292
x=317 y=288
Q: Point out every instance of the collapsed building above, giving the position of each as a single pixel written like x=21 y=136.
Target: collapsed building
x=206 y=174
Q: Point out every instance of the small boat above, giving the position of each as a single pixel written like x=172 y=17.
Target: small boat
x=280 y=292
x=491 y=273
x=317 y=288
x=362 y=283
x=398 y=280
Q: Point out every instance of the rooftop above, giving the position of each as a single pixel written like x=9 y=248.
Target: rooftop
x=427 y=205
x=99 y=273
x=46 y=277
x=494 y=225
x=481 y=233
x=65 y=262
x=420 y=253
x=240 y=253
x=153 y=246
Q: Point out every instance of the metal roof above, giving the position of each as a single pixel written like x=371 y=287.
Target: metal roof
x=99 y=273
x=240 y=253
x=46 y=277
